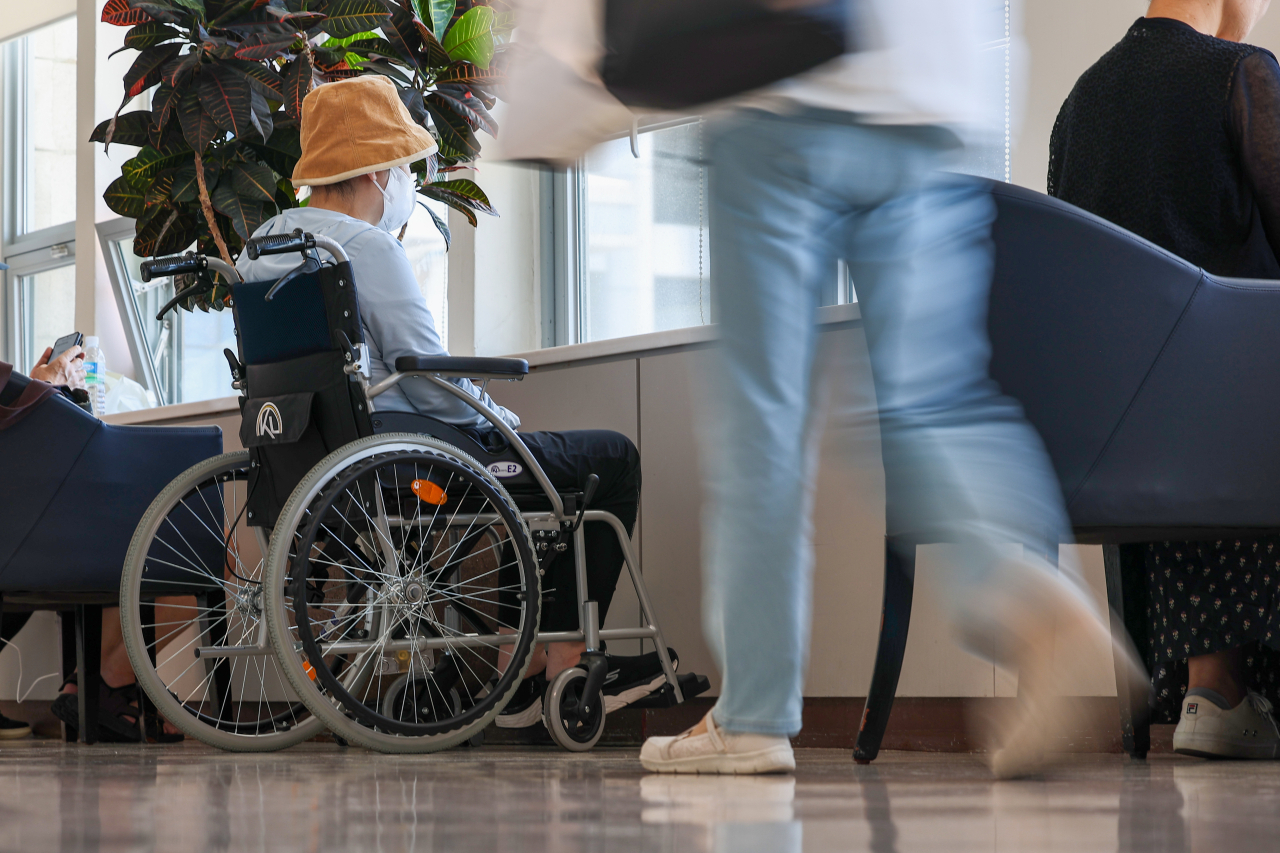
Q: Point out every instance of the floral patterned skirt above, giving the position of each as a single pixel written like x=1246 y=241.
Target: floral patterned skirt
x=1207 y=597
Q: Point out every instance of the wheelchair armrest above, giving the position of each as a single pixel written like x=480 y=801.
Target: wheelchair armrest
x=464 y=367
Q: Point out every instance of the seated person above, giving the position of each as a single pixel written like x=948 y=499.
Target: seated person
x=1175 y=135
x=357 y=143
x=118 y=694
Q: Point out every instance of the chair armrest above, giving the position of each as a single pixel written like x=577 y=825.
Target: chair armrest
x=462 y=366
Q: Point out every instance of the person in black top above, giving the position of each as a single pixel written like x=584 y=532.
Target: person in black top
x=1174 y=135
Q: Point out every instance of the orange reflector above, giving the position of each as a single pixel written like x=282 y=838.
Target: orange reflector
x=311 y=670
x=429 y=492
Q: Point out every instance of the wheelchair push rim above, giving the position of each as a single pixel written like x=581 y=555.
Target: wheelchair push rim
x=431 y=560
x=191 y=615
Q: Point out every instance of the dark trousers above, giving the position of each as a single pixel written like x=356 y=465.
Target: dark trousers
x=568 y=458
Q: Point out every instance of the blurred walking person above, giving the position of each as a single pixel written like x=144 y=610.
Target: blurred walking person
x=848 y=162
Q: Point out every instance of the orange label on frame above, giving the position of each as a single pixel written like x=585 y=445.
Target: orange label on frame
x=429 y=492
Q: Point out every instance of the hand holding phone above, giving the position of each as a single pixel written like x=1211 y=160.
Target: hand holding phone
x=65 y=343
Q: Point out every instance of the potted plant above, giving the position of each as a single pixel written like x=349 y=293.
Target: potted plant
x=227 y=77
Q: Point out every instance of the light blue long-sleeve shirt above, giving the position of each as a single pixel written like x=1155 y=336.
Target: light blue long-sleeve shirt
x=394 y=314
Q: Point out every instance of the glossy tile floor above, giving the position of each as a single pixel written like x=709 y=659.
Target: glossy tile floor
x=322 y=798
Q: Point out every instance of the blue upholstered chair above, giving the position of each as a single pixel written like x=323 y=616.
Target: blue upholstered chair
x=72 y=491
x=1155 y=387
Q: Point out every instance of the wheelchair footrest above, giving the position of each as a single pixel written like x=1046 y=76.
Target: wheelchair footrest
x=691 y=684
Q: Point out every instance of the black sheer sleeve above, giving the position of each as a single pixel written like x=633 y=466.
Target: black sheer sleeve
x=1255 y=124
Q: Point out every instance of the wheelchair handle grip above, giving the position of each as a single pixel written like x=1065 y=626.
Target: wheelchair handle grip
x=279 y=244
x=173 y=265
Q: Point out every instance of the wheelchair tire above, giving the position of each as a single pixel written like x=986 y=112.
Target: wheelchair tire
x=375 y=550
x=559 y=712
x=173 y=589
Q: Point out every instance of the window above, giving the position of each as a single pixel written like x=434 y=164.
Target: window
x=37 y=87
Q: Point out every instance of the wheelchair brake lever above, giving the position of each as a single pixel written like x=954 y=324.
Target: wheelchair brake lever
x=593 y=483
x=310 y=265
x=237 y=370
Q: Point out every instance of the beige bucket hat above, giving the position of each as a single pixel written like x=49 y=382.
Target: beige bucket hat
x=353 y=127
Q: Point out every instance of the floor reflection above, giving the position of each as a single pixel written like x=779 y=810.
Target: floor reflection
x=321 y=798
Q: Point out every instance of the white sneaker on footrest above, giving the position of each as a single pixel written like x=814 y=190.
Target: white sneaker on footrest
x=715 y=751
x=1210 y=728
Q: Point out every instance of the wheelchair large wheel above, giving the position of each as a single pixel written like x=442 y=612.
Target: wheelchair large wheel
x=191 y=612
x=410 y=576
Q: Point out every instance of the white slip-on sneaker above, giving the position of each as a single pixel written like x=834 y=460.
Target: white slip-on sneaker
x=1211 y=728
x=715 y=751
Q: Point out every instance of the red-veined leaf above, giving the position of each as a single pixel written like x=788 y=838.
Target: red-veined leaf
x=163 y=102
x=467 y=192
x=433 y=53
x=177 y=71
x=265 y=45
x=254 y=181
x=225 y=95
x=469 y=107
x=401 y=34
x=146 y=69
x=297 y=83
x=327 y=59
x=159 y=11
x=454 y=132
x=158 y=192
x=118 y=12
x=149 y=34
x=245 y=214
x=434 y=192
x=264 y=79
x=198 y=127
x=260 y=114
x=465 y=72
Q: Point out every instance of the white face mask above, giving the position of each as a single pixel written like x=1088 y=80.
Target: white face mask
x=397 y=200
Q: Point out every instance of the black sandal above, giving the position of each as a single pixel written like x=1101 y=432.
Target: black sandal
x=118 y=712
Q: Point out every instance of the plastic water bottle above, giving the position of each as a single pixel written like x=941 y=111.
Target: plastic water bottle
x=95 y=375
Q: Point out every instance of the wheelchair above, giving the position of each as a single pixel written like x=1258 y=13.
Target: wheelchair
x=374 y=573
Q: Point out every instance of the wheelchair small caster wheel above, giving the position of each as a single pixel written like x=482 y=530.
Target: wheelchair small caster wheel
x=560 y=712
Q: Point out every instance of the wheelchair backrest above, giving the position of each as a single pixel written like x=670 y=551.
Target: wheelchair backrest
x=300 y=404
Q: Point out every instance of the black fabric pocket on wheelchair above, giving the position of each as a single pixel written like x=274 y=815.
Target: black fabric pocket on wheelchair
x=282 y=419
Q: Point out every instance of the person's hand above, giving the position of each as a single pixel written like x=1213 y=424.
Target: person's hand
x=67 y=369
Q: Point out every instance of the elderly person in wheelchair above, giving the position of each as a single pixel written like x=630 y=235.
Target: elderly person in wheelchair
x=357 y=144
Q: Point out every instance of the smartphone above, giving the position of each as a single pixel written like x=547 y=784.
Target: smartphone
x=65 y=343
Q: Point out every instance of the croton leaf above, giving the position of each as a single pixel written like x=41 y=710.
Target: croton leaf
x=297 y=83
x=304 y=20
x=412 y=100
x=348 y=17
x=158 y=192
x=265 y=45
x=148 y=34
x=465 y=192
x=245 y=214
x=436 y=12
x=196 y=6
x=469 y=107
x=177 y=72
x=471 y=38
x=454 y=132
x=260 y=114
x=327 y=59
x=373 y=47
x=386 y=68
x=281 y=151
x=433 y=53
x=185 y=186
x=125 y=198
x=465 y=72
x=146 y=68
x=163 y=102
x=158 y=11
x=441 y=226
x=254 y=181
x=118 y=12
x=262 y=78
x=149 y=162
x=131 y=129
x=432 y=192
x=225 y=95
x=163 y=232
x=401 y=34
x=198 y=127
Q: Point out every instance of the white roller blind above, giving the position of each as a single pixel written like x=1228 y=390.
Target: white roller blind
x=21 y=17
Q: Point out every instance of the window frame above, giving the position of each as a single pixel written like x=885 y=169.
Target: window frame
x=110 y=232
x=26 y=252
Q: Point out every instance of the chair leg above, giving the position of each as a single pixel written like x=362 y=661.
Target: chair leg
x=67 y=623
x=88 y=668
x=895 y=619
x=1123 y=565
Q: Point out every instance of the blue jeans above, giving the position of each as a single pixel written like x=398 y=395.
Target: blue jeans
x=791 y=194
